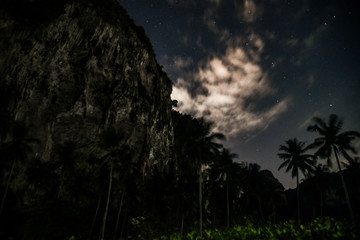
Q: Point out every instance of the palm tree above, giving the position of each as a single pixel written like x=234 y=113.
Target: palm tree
x=295 y=159
x=6 y=94
x=318 y=185
x=204 y=145
x=186 y=168
x=274 y=192
x=43 y=177
x=111 y=141
x=221 y=183
x=18 y=148
x=331 y=141
x=257 y=185
x=228 y=168
x=4 y=126
x=66 y=161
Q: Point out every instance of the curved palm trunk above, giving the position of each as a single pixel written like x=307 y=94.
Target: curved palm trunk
x=274 y=211
x=118 y=216
x=123 y=225
x=102 y=233
x=200 y=199
x=182 y=217
x=94 y=219
x=321 y=203
x=227 y=205
x=260 y=207
x=298 y=196
x=7 y=187
x=182 y=224
x=344 y=186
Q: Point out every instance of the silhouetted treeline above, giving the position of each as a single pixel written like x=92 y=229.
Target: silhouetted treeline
x=205 y=186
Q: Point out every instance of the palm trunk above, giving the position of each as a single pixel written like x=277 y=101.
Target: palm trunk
x=96 y=213
x=7 y=187
x=298 y=196
x=182 y=217
x=274 y=211
x=260 y=207
x=182 y=224
x=200 y=200
x=118 y=216
x=227 y=205
x=321 y=204
x=344 y=186
x=102 y=233
x=123 y=225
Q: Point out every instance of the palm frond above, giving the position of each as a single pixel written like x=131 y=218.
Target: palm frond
x=284 y=164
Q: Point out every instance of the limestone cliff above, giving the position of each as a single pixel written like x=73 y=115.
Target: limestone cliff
x=79 y=66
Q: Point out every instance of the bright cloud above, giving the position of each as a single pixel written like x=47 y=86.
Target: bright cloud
x=227 y=83
x=251 y=11
x=311 y=39
x=182 y=62
x=308 y=121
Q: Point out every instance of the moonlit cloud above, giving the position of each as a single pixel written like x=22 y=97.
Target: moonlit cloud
x=186 y=102
x=311 y=80
x=308 y=121
x=229 y=89
x=209 y=18
x=175 y=65
x=182 y=62
x=227 y=83
x=308 y=43
x=293 y=42
x=252 y=11
x=311 y=39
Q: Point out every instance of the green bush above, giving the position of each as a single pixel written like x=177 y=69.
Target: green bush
x=320 y=228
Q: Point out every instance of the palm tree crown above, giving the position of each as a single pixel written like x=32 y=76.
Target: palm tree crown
x=205 y=142
x=331 y=141
x=295 y=158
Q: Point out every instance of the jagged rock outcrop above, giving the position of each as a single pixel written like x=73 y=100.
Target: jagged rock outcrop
x=79 y=66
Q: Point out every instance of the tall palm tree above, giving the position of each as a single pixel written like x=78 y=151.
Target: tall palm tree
x=258 y=185
x=203 y=145
x=221 y=175
x=228 y=167
x=318 y=185
x=111 y=141
x=295 y=159
x=332 y=142
x=253 y=184
x=6 y=94
x=18 y=148
x=66 y=161
x=275 y=194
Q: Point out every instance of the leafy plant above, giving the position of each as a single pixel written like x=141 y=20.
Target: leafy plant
x=319 y=228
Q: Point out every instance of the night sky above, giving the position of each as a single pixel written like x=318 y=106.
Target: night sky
x=259 y=69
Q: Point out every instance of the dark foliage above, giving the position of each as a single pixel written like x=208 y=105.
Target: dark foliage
x=70 y=195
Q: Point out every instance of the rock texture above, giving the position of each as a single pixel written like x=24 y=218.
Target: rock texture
x=79 y=66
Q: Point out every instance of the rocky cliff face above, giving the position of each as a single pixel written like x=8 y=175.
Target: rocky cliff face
x=78 y=67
